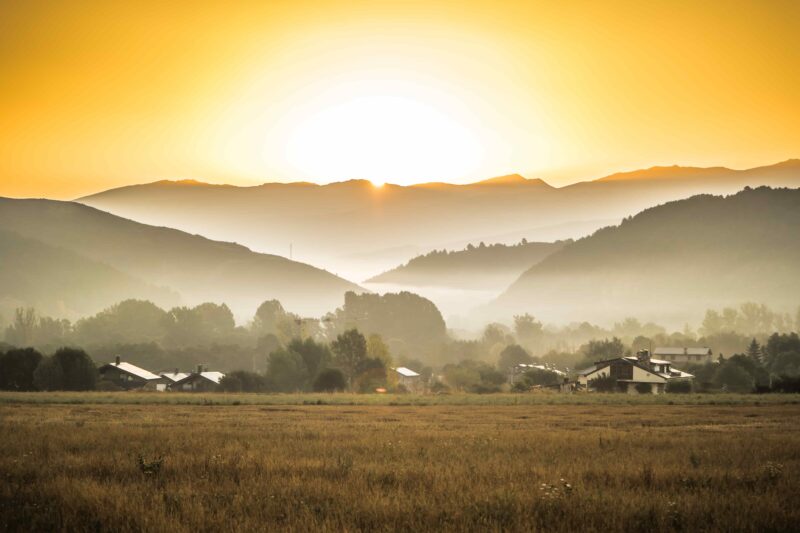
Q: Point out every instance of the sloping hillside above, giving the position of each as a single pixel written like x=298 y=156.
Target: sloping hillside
x=672 y=262
x=197 y=268
x=62 y=283
x=483 y=267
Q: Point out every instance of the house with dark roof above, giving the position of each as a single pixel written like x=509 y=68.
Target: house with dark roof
x=126 y=375
x=640 y=374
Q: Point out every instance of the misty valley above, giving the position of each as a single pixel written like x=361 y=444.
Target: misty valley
x=390 y=266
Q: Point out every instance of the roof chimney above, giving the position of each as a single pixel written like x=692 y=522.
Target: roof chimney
x=199 y=369
x=176 y=371
x=117 y=360
x=643 y=358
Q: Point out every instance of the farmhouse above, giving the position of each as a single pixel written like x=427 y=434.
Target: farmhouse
x=640 y=374
x=126 y=375
x=685 y=355
x=199 y=381
x=409 y=379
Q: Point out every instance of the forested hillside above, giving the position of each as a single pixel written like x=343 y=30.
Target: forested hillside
x=483 y=266
x=669 y=262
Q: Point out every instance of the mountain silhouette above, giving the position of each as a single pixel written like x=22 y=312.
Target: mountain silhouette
x=195 y=267
x=331 y=224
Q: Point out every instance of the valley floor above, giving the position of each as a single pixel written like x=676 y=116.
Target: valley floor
x=211 y=467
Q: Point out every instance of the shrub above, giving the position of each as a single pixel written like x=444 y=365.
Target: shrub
x=330 y=380
x=48 y=375
x=17 y=367
x=679 y=387
x=733 y=378
x=243 y=381
x=603 y=384
x=644 y=388
x=78 y=369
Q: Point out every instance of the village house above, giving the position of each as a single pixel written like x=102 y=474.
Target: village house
x=126 y=375
x=697 y=356
x=640 y=374
x=409 y=379
x=200 y=381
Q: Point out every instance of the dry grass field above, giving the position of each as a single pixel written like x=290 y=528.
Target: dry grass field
x=615 y=467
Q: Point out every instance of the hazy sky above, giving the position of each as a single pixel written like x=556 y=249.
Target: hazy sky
x=95 y=95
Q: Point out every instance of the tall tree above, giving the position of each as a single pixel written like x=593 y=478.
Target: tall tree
x=511 y=356
x=21 y=331
x=754 y=350
x=350 y=349
x=528 y=330
x=79 y=371
x=287 y=371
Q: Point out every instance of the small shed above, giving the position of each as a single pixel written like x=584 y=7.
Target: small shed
x=126 y=375
x=409 y=379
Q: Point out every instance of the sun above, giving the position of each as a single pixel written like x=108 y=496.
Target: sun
x=385 y=139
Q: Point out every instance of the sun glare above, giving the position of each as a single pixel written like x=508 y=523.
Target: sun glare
x=383 y=138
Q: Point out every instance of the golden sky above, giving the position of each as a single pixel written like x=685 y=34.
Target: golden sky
x=98 y=94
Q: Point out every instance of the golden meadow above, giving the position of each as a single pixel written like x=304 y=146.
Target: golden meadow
x=173 y=462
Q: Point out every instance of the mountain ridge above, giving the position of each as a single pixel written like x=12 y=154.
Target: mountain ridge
x=331 y=224
x=654 y=172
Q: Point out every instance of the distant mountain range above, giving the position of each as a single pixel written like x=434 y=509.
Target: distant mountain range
x=349 y=226
x=80 y=259
x=672 y=262
x=476 y=267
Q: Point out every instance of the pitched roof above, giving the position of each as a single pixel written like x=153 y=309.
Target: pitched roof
x=132 y=369
x=407 y=372
x=216 y=377
x=654 y=361
x=175 y=376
